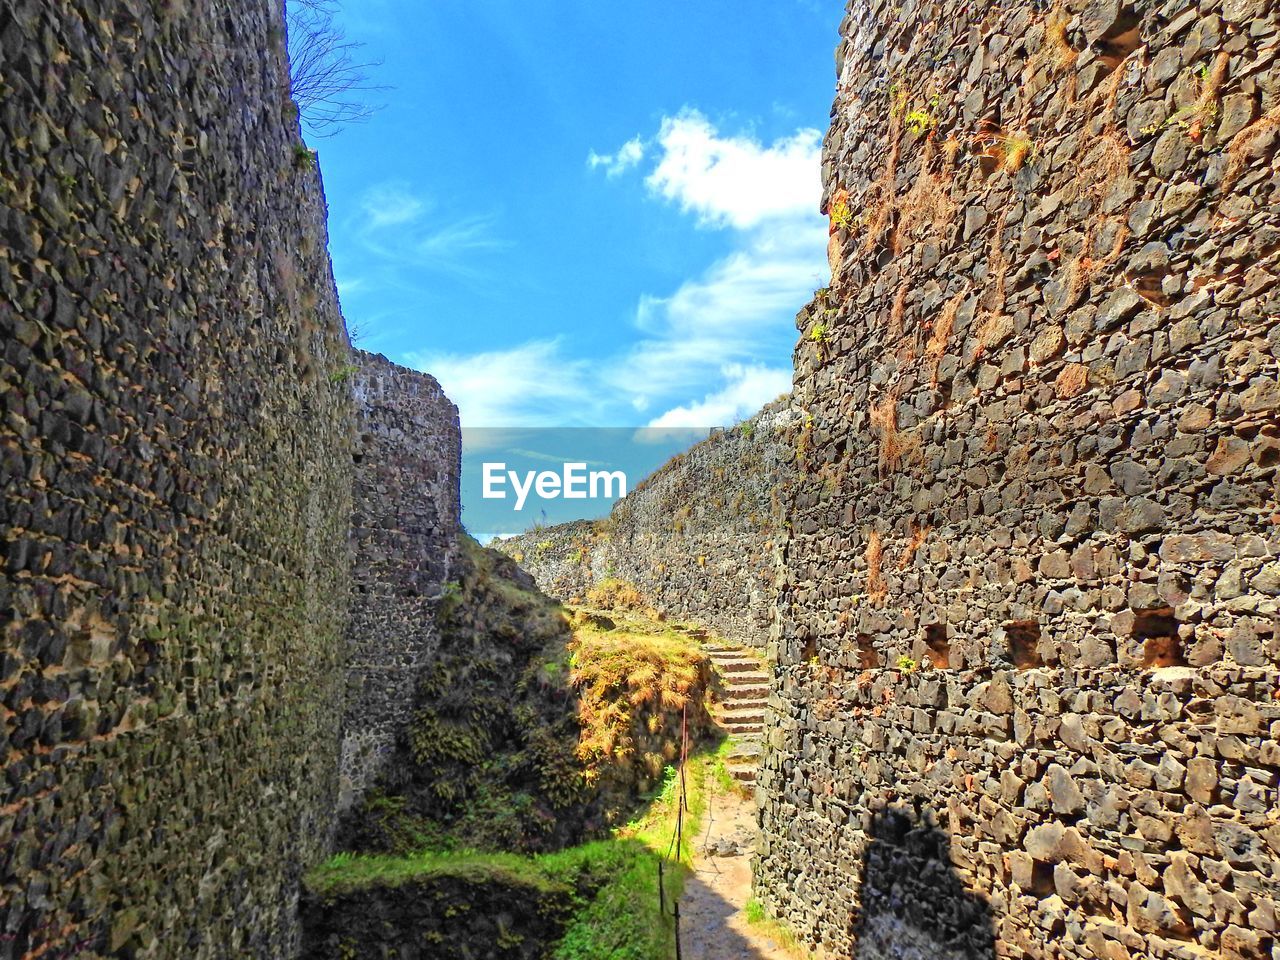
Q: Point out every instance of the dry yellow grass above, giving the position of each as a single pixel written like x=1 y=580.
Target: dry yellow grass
x=877 y=589
x=1014 y=151
x=918 y=535
x=936 y=346
x=622 y=675
x=951 y=148
x=896 y=447
x=896 y=311
x=1085 y=267
x=928 y=203
x=881 y=208
x=615 y=594
x=1055 y=57
x=1238 y=151
x=994 y=325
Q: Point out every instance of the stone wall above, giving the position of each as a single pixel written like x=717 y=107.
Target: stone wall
x=175 y=465
x=699 y=538
x=1032 y=577
x=404 y=532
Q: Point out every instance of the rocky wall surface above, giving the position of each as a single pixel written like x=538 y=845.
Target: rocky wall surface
x=404 y=531
x=470 y=913
x=176 y=470
x=699 y=538
x=1028 y=697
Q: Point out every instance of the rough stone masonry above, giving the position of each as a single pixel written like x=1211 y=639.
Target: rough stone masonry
x=404 y=530
x=176 y=471
x=701 y=538
x=1033 y=572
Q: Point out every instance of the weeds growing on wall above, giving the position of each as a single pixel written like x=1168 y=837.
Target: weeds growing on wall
x=1054 y=58
x=877 y=588
x=613 y=593
x=776 y=930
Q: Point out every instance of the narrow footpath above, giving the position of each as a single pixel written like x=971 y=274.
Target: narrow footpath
x=713 y=920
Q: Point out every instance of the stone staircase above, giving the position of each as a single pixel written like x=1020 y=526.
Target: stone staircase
x=740 y=713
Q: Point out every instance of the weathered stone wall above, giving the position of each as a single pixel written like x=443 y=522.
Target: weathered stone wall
x=1032 y=577
x=700 y=538
x=404 y=530
x=470 y=912
x=176 y=484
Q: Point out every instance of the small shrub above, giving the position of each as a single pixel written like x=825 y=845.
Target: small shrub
x=615 y=594
x=449 y=600
x=344 y=373
x=841 y=215
x=920 y=121
x=304 y=158
x=907 y=665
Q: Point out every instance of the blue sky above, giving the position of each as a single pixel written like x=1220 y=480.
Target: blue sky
x=586 y=213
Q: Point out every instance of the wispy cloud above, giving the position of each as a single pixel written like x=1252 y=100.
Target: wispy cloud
x=390 y=204
x=403 y=235
x=530 y=385
x=735 y=312
x=747 y=389
x=627 y=156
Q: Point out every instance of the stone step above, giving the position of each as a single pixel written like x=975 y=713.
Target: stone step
x=738 y=728
x=744 y=749
x=744 y=703
x=754 y=720
x=742 y=689
x=745 y=678
x=743 y=773
x=738 y=665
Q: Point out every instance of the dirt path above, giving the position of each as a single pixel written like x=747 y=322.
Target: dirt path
x=713 y=924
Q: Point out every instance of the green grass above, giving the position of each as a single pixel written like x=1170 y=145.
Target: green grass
x=347 y=872
x=722 y=781
x=616 y=880
x=776 y=929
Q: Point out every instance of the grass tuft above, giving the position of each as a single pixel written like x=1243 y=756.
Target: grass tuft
x=1242 y=143
x=936 y=346
x=877 y=589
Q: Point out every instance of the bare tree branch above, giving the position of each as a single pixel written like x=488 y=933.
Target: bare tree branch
x=326 y=73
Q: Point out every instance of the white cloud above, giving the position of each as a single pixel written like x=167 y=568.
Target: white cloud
x=748 y=388
x=390 y=204
x=737 y=311
x=736 y=181
x=629 y=155
x=530 y=385
x=721 y=336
